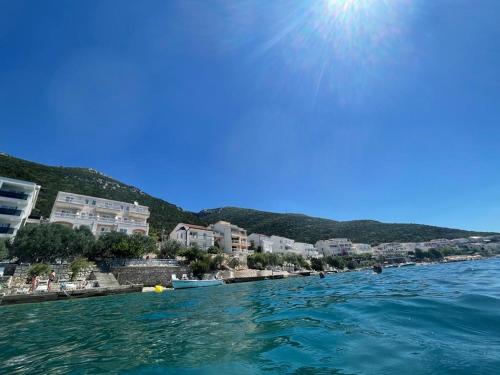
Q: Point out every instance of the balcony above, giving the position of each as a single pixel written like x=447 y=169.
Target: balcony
x=13 y=194
x=100 y=219
x=10 y=211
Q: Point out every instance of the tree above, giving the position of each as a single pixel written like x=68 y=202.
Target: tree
x=199 y=267
x=435 y=254
x=336 y=261
x=169 y=249
x=48 y=242
x=38 y=269
x=214 y=250
x=216 y=262
x=317 y=264
x=419 y=254
x=3 y=250
x=192 y=254
x=120 y=245
x=140 y=244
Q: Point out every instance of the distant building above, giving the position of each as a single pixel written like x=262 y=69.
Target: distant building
x=17 y=200
x=282 y=244
x=231 y=237
x=193 y=235
x=334 y=246
x=305 y=249
x=393 y=249
x=261 y=241
x=99 y=215
x=362 y=248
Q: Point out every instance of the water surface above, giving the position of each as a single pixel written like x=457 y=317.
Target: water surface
x=413 y=320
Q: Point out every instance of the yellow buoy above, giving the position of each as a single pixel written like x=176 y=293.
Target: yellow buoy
x=159 y=288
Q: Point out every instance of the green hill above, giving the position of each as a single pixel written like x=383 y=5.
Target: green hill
x=165 y=215
x=310 y=229
x=90 y=182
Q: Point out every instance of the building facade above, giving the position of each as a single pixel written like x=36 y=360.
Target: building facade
x=17 y=200
x=230 y=237
x=99 y=215
x=334 y=246
x=393 y=249
x=282 y=244
x=261 y=241
x=305 y=249
x=362 y=248
x=193 y=235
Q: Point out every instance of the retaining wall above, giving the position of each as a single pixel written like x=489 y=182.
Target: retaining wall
x=149 y=275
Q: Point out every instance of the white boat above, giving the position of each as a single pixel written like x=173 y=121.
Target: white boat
x=185 y=283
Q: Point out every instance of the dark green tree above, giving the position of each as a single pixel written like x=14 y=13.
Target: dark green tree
x=317 y=264
x=169 y=249
x=48 y=242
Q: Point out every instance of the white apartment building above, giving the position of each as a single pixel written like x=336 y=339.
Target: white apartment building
x=99 y=215
x=282 y=244
x=305 y=249
x=334 y=246
x=193 y=235
x=17 y=200
x=261 y=241
x=362 y=248
x=231 y=237
x=390 y=249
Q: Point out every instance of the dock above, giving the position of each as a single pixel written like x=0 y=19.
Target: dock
x=15 y=299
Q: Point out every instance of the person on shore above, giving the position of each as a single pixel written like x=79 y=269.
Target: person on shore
x=34 y=284
x=52 y=278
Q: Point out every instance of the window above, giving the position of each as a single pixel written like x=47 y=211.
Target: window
x=123 y=231
x=86 y=201
x=94 y=203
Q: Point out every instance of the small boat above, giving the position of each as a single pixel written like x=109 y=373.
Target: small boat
x=377 y=268
x=185 y=283
x=321 y=275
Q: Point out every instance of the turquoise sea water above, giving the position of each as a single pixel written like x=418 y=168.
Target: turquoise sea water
x=434 y=319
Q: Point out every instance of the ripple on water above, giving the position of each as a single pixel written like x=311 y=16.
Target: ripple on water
x=435 y=319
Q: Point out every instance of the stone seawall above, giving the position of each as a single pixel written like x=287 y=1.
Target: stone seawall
x=148 y=276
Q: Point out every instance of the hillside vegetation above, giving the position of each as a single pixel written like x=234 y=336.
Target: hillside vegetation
x=165 y=215
x=90 y=182
x=311 y=229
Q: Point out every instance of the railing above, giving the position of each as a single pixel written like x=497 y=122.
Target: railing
x=10 y=211
x=100 y=219
x=103 y=204
x=13 y=194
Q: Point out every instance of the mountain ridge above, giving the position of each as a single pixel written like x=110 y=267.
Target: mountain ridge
x=165 y=215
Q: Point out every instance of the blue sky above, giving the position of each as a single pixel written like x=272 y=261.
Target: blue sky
x=368 y=109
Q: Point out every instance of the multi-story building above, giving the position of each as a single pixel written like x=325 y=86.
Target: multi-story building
x=393 y=249
x=282 y=244
x=334 y=246
x=193 y=235
x=261 y=241
x=362 y=248
x=231 y=238
x=17 y=200
x=305 y=249
x=99 y=215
